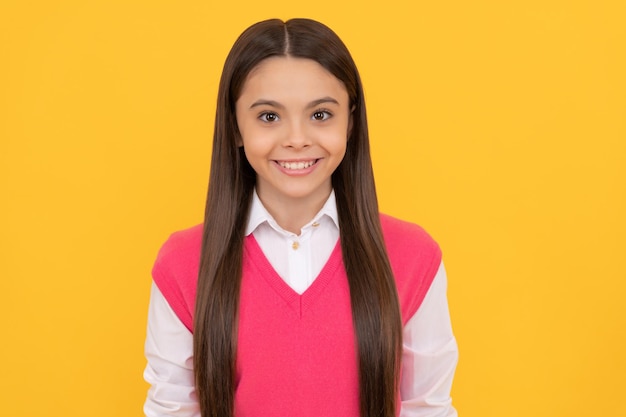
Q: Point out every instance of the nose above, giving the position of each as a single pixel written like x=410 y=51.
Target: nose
x=297 y=136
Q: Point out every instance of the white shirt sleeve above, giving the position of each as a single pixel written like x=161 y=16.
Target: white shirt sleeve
x=169 y=351
x=428 y=361
x=429 y=356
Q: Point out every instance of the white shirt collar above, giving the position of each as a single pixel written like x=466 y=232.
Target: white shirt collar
x=260 y=215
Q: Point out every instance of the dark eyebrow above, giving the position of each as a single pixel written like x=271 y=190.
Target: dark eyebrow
x=276 y=104
x=322 y=100
x=271 y=103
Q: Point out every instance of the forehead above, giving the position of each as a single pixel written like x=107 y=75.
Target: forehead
x=291 y=77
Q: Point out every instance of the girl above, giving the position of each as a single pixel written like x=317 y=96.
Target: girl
x=295 y=297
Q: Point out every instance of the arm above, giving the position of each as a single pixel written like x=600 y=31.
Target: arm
x=429 y=356
x=169 y=351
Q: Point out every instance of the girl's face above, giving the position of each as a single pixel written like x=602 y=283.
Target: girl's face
x=294 y=119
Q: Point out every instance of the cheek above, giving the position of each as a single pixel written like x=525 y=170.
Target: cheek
x=257 y=145
x=255 y=139
x=336 y=148
x=248 y=136
x=339 y=138
x=255 y=157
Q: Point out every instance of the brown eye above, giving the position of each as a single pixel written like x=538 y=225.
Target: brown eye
x=269 y=117
x=321 y=115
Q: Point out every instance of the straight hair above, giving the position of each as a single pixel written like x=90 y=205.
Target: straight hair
x=375 y=307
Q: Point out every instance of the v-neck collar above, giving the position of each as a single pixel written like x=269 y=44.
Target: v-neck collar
x=300 y=303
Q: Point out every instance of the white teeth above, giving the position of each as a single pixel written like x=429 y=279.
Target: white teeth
x=296 y=165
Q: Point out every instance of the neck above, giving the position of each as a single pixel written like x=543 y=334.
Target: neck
x=293 y=213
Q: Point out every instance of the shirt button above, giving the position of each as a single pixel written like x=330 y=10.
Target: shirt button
x=295 y=245
x=315 y=224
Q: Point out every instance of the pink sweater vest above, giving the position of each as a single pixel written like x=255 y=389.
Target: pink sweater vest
x=296 y=353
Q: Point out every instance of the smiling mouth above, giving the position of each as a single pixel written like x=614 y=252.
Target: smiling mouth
x=297 y=164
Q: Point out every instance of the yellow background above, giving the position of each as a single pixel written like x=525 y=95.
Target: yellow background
x=500 y=126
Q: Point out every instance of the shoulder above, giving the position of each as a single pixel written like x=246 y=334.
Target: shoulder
x=402 y=236
x=181 y=243
x=175 y=270
x=415 y=258
x=180 y=254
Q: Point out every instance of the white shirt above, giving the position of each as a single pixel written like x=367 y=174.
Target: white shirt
x=429 y=354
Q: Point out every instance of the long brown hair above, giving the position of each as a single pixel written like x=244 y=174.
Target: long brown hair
x=375 y=307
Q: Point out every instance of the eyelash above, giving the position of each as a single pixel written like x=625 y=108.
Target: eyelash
x=325 y=114
x=263 y=117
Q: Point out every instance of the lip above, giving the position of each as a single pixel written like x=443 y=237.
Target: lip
x=296 y=171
